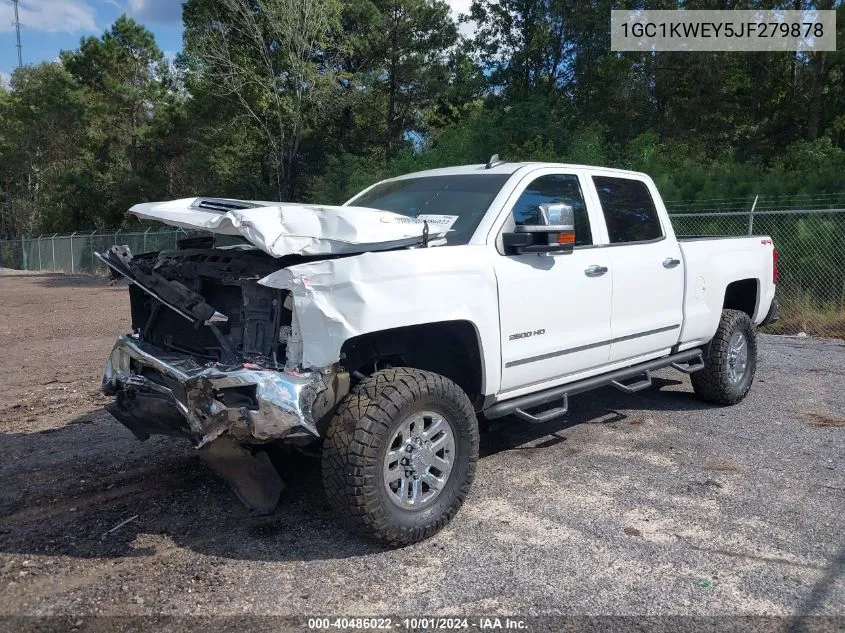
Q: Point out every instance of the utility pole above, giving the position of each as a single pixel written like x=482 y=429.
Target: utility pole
x=18 y=31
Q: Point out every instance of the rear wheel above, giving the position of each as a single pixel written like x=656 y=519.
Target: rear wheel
x=730 y=361
x=400 y=454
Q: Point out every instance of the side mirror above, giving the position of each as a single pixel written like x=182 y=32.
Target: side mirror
x=555 y=234
x=556 y=215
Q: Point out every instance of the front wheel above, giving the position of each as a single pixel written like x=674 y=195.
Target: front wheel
x=400 y=454
x=730 y=361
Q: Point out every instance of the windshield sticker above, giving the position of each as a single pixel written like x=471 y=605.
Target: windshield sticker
x=441 y=223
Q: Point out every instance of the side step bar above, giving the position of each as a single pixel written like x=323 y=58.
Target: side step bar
x=634 y=387
x=687 y=361
x=545 y=416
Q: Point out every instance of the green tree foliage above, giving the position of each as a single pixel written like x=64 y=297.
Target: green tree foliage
x=274 y=60
x=85 y=129
x=315 y=99
x=414 y=36
x=44 y=123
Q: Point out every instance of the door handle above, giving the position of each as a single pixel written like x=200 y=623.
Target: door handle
x=595 y=271
x=670 y=262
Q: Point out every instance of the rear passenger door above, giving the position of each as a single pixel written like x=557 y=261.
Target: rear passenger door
x=648 y=273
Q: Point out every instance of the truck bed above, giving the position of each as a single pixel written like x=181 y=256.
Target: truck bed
x=712 y=262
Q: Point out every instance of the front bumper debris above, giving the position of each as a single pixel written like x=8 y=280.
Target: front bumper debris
x=163 y=393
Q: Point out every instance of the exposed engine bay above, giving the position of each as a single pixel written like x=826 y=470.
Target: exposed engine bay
x=208 y=350
x=223 y=314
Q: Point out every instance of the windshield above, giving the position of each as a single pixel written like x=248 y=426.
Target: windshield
x=467 y=196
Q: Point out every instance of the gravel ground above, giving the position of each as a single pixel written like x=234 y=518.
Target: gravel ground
x=635 y=504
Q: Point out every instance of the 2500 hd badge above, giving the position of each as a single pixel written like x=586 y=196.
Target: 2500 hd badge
x=519 y=335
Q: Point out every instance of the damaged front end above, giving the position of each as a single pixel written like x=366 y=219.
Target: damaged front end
x=171 y=394
x=208 y=350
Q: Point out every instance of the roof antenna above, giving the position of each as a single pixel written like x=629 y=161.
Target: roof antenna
x=494 y=160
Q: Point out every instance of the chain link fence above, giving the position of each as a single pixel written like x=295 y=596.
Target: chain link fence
x=810 y=243
x=74 y=253
x=811 y=261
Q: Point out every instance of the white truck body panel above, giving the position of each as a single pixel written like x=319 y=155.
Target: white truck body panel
x=641 y=309
x=574 y=320
x=337 y=299
x=710 y=265
x=645 y=312
x=575 y=314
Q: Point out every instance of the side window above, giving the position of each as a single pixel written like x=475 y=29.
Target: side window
x=628 y=210
x=554 y=189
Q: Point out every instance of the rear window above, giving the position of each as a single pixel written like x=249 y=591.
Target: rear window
x=467 y=196
x=628 y=209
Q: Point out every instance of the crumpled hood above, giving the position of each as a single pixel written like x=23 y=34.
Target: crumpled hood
x=285 y=229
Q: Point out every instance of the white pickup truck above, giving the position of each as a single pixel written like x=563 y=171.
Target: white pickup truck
x=383 y=330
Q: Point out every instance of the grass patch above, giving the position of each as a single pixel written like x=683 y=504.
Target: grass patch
x=801 y=314
x=825 y=421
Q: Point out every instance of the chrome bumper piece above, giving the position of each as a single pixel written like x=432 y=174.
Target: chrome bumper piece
x=278 y=403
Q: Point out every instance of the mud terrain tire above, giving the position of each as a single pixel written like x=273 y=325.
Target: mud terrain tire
x=721 y=381
x=375 y=423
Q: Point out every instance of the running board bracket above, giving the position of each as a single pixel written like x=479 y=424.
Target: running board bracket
x=545 y=416
x=633 y=387
x=692 y=366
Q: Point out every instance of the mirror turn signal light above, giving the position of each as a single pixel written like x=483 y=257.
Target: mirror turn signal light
x=565 y=237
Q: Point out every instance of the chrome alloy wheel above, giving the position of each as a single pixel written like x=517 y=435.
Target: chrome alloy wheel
x=737 y=356
x=419 y=460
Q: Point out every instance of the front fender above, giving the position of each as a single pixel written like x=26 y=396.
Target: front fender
x=338 y=299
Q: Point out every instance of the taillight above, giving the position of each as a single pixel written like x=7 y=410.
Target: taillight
x=774 y=265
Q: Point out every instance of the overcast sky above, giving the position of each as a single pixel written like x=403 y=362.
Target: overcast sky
x=49 y=26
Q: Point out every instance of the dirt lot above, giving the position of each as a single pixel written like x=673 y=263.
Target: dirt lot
x=636 y=504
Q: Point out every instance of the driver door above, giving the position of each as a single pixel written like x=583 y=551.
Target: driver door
x=554 y=308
